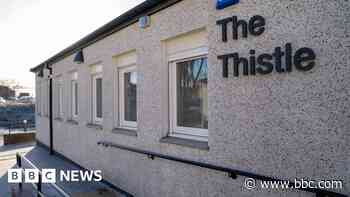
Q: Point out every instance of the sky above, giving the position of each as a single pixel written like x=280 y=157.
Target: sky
x=32 y=31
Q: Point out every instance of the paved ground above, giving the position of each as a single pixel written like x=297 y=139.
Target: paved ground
x=40 y=157
x=7 y=161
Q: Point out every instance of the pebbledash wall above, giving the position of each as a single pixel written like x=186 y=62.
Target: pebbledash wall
x=289 y=125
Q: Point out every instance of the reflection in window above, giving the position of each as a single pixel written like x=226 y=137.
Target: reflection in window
x=60 y=99
x=130 y=106
x=192 y=94
x=99 y=97
x=75 y=98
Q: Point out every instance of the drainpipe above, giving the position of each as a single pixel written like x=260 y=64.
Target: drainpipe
x=50 y=111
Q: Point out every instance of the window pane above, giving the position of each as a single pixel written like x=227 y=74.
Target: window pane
x=130 y=107
x=192 y=95
x=99 y=97
x=59 y=100
x=75 y=98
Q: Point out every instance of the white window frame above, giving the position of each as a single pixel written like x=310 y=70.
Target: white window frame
x=74 y=105
x=175 y=130
x=60 y=98
x=38 y=99
x=46 y=97
x=75 y=114
x=43 y=98
x=96 y=120
x=122 y=122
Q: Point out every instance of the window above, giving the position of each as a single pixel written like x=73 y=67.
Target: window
x=43 y=98
x=97 y=98
x=189 y=98
x=38 y=98
x=74 y=96
x=125 y=105
x=128 y=97
x=46 y=97
x=59 y=98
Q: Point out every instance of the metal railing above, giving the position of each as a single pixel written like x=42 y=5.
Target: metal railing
x=16 y=116
x=20 y=125
x=37 y=186
x=232 y=173
x=8 y=127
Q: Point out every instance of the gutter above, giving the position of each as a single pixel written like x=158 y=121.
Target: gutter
x=148 y=7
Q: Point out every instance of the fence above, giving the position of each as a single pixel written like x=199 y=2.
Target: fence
x=19 y=125
x=17 y=117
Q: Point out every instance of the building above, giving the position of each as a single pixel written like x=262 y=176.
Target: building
x=6 y=92
x=22 y=94
x=261 y=87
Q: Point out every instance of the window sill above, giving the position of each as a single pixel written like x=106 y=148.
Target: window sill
x=185 y=142
x=73 y=122
x=122 y=131
x=94 y=126
x=59 y=119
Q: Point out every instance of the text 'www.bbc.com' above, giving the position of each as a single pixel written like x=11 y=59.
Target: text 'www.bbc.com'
x=252 y=184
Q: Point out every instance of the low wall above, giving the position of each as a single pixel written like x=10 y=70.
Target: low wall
x=17 y=138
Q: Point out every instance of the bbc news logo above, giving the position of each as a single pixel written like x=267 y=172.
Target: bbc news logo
x=50 y=176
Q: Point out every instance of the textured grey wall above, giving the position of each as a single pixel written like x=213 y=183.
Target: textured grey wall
x=293 y=125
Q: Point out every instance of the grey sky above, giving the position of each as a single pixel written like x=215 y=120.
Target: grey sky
x=33 y=30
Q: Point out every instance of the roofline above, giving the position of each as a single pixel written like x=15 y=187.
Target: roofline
x=130 y=17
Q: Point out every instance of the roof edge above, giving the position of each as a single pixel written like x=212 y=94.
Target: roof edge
x=126 y=19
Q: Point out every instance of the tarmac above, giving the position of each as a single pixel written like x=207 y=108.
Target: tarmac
x=41 y=158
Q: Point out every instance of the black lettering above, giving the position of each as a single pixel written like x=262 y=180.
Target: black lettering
x=252 y=62
x=224 y=59
x=264 y=61
x=236 y=62
x=289 y=57
x=278 y=59
x=235 y=25
x=257 y=25
x=304 y=55
x=223 y=23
